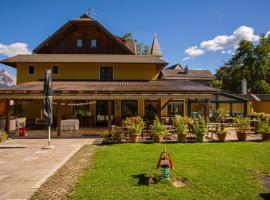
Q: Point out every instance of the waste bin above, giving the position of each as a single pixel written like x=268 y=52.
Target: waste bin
x=22 y=131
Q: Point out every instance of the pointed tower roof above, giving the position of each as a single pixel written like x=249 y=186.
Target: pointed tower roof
x=155 y=50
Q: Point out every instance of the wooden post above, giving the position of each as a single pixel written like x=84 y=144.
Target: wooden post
x=7 y=122
x=159 y=108
x=109 y=114
x=207 y=108
x=59 y=115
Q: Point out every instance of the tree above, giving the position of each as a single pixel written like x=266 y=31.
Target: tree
x=142 y=49
x=250 y=62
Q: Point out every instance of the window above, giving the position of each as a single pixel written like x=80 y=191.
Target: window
x=151 y=109
x=176 y=108
x=129 y=108
x=106 y=73
x=31 y=70
x=93 y=43
x=79 y=42
x=55 y=70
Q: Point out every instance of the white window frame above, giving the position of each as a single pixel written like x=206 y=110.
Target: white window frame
x=93 y=41
x=79 y=43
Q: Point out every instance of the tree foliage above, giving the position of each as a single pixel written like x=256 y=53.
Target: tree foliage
x=250 y=62
x=142 y=49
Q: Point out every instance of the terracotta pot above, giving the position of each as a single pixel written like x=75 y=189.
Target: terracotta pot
x=265 y=136
x=200 y=138
x=134 y=138
x=221 y=137
x=181 y=137
x=157 y=138
x=241 y=136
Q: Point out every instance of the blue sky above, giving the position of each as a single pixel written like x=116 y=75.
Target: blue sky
x=189 y=26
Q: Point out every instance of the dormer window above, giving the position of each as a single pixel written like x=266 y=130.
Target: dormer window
x=79 y=42
x=31 y=70
x=55 y=70
x=93 y=43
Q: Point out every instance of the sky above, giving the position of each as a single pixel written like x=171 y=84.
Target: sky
x=200 y=34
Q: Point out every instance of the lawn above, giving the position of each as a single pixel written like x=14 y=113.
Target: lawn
x=213 y=171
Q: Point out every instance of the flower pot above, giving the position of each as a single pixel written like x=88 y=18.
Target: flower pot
x=200 y=138
x=134 y=138
x=242 y=136
x=221 y=137
x=181 y=137
x=157 y=138
x=265 y=136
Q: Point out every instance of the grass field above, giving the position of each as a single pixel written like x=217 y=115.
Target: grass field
x=212 y=170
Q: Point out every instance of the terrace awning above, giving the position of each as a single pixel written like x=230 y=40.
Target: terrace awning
x=87 y=90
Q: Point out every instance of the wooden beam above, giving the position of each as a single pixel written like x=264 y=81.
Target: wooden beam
x=59 y=116
x=7 y=122
x=109 y=114
x=164 y=105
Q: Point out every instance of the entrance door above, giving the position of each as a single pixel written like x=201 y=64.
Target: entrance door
x=102 y=112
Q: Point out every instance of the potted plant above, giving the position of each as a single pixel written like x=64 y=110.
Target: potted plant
x=181 y=127
x=200 y=128
x=242 y=124
x=158 y=131
x=264 y=129
x=135 y=126
x=221 y=133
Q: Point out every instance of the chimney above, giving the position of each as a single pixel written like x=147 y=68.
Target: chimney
x=186 y=69
x=244 y=86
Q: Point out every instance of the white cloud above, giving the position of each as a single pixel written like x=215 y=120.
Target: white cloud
x=193 y=52
x=14 y=49
x=221 y=42
x=224 y=43
x=267 y=34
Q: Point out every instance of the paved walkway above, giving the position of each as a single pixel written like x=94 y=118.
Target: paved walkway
x=24 y=165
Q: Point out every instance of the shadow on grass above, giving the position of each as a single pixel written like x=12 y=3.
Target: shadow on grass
x=145 y=180
x=265 y=196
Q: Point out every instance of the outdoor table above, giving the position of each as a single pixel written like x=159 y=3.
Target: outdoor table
x=70 y=125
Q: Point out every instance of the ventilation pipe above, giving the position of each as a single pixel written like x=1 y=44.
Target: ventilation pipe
x=186 y=69
x=244 y=86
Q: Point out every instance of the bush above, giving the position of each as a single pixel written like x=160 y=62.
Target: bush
x=3 y=136
x=200 y=127
x=241 y=123
x=263 y=126
x=158 y=128
x=134 y=124
x=181 y=124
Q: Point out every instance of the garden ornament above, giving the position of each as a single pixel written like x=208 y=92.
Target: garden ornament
x=165 y=163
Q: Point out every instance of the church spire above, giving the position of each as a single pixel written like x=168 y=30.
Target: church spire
x=155 y=50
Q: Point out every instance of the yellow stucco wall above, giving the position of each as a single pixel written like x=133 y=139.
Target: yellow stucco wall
x=82 y=71
x=262 y=106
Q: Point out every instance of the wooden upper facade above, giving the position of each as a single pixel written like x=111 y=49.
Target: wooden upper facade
x=82 y=49
x=83 y=36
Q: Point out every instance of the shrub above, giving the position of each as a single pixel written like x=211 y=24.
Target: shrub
x=158 y=128
x=241 y=123
x=3 y=136
x=263 y=126
x=200 y=127
x=134 y=124
x=181 y=124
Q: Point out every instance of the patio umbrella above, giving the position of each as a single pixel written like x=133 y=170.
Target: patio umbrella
x=48 y=102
